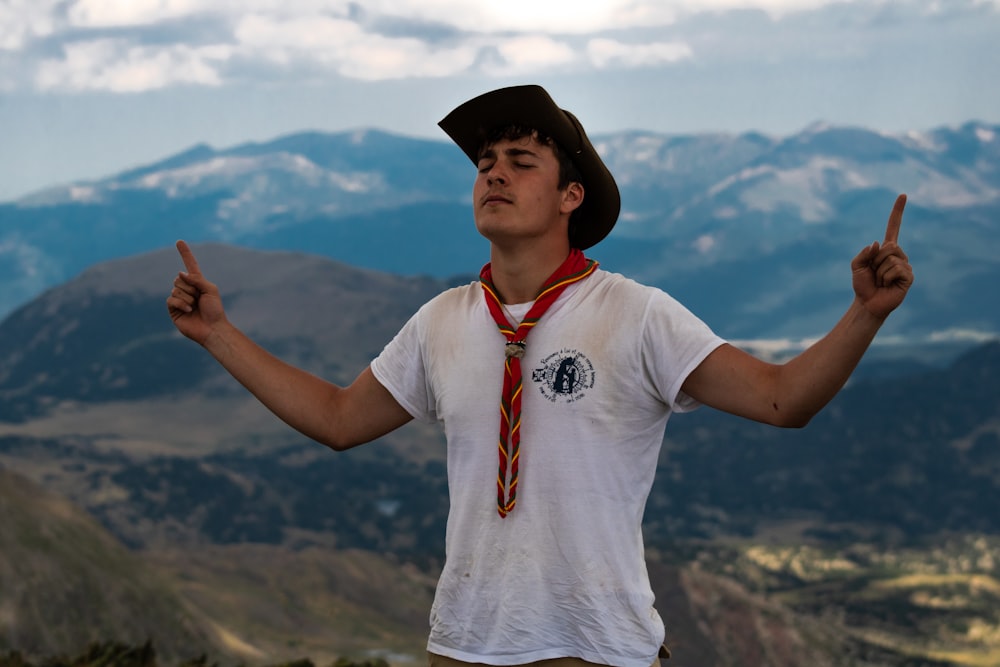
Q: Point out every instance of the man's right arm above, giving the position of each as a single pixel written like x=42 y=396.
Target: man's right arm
x=338 y=417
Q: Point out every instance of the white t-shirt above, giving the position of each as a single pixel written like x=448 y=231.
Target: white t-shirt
x=564 y=574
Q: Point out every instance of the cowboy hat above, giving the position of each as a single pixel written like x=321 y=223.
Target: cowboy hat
x=532 y=107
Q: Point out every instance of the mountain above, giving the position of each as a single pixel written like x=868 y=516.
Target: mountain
x=93 y=371
x=105 y=335
x=839 y=543
x=888 y=460
x=65 y=582
x=754 y=233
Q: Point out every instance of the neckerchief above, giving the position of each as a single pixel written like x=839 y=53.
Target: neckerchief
x=575 y=268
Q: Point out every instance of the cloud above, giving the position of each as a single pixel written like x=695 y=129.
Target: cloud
x=556 y=16
x=118 y=13
x=116 y=66
x=531 y=53
x=24 y=20
x=135 y=45
x=344 y=46
x=606 y=53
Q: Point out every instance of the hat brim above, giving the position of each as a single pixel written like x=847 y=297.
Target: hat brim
x=531 y=106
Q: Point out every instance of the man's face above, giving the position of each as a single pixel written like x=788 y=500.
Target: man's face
x=516 y=194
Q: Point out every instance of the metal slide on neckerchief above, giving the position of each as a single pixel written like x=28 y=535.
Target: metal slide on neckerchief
x=575 y=268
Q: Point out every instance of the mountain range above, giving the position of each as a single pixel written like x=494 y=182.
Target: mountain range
x=144 y=493
x=754 y=233
x=907 y=453
x=760 y=540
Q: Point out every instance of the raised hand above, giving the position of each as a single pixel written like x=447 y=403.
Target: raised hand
x=882 y=274
x=194 y=303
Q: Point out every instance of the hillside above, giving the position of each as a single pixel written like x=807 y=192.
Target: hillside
x=724 y=603
x=93 y=372
x=767 y=547
x=65 y=582
x=105 y=335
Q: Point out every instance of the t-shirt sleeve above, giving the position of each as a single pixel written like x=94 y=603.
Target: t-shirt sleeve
x=674 y=342
x=401 y=369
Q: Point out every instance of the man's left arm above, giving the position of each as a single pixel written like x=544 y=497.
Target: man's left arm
x=790 y=394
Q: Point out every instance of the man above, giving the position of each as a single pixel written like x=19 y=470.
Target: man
x=544 y=553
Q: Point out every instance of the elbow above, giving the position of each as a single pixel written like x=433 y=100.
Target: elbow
x=338 y=444
x=335 y=446
x=790 y=419
x=796 y=421
x=332 y=437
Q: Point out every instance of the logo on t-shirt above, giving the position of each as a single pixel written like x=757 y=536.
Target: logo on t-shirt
x=564 y=376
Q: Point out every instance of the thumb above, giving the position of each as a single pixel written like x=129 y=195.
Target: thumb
x=864 y=258
x=199 y=283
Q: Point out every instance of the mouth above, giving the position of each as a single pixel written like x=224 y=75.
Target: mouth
x=494 y=199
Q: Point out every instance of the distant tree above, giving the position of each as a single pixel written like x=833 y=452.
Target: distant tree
x=97 y=654
x=117 y=654
x=371 y=662
x=14 y=659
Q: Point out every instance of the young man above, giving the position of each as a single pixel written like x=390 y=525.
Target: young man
x=544 y=552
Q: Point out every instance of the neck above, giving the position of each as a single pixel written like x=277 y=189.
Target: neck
x=519 y=275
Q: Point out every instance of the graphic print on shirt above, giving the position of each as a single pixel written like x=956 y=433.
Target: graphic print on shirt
x=565 y=376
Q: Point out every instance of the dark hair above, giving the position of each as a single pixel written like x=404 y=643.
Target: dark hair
x=568 y=171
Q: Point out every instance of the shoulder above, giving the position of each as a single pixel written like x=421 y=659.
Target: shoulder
x=452 y=301
x=609 y=285
x=643 y=306
x=454 y=297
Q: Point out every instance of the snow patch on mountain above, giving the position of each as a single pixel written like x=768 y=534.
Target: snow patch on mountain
x=227 y=169
x=84 y=194
x=806 y=188
x=922 y=141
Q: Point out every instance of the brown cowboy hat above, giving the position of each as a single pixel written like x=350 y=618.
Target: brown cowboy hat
x=532 y=106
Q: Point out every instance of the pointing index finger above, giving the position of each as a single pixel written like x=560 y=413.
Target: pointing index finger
x=190 y=263
x=895 y=220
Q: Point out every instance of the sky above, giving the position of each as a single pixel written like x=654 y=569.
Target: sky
x=89 y=88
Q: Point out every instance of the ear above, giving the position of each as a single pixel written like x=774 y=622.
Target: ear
x=572 y=197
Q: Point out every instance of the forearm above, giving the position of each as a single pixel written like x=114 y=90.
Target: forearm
x=806 y=383
x=300 y=399
x=790 y=394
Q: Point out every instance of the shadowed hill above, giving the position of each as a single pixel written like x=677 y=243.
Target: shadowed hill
x=66 y=582
x=106 y=335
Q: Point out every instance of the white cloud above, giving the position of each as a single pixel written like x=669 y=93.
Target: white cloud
x=704 y=243
x=374 y=40
x=115 y=66
x=963 y=335
x=553 y=16
x=283 y=40
x=605 y=53
x=342 y=45
x=118 y=13
x=380 y=58
x=24 y=20
x=572 y=17
x=772 y=7
x=531 y=53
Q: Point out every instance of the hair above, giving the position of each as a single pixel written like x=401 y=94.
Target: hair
x=568 y=171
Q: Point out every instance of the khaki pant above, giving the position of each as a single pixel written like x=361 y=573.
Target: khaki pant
x=435 y=660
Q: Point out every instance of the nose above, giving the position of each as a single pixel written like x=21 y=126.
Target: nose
x=495 y=176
